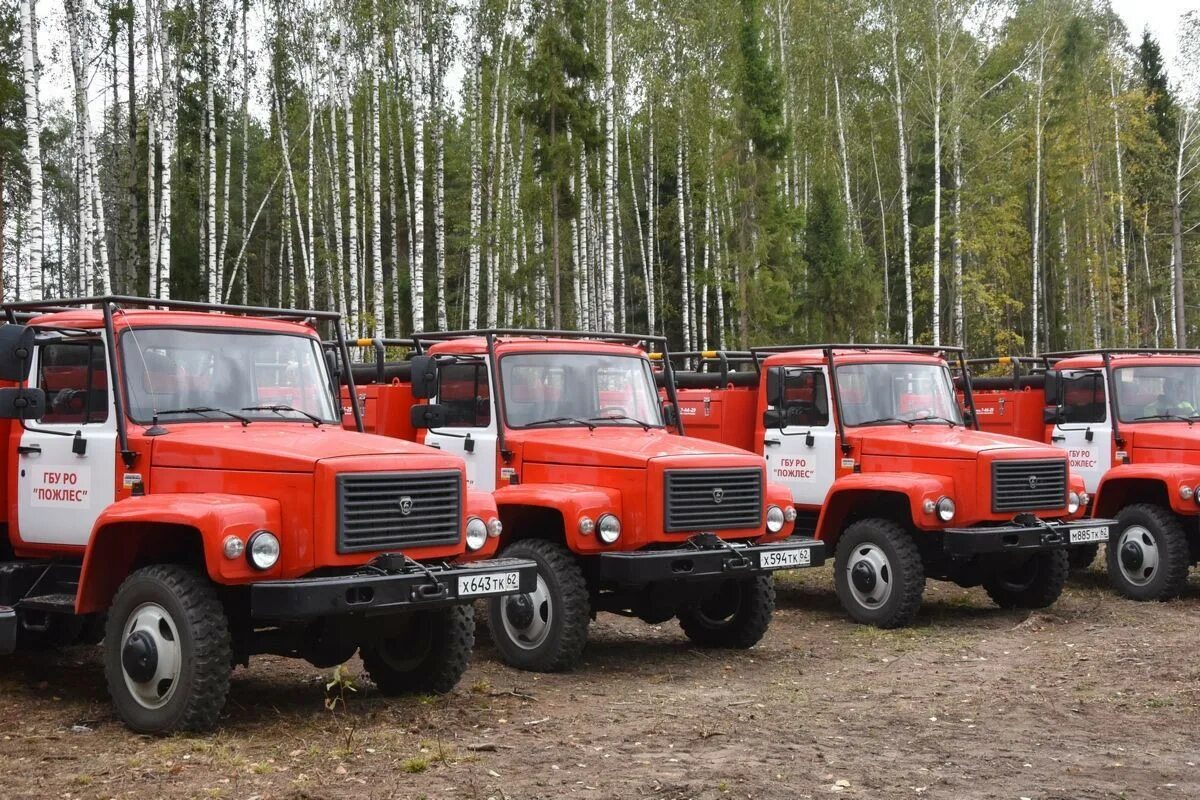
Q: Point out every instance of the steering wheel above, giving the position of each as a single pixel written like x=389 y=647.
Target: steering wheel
x=919 y=413
x=620 y=412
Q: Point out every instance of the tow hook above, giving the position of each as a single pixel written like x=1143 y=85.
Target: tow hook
x=1050 y=535
x=399 y=562
x=710 y=541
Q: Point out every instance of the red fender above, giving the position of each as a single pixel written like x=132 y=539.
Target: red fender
x=910 y=488
x=166 y=526
x=1147 y=483
x=571 y=501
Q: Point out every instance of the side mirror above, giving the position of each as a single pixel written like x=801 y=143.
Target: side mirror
x=424 y=377
x=1053 y=387
x=429 y=415
x=775 y=386
x=670 y=415
x=772 y=418
x=22 y=403
x=16 y=346
x=334 y=363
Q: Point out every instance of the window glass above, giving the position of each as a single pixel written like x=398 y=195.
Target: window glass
x=556 y=388
x=896 y=393
x=73 y=376
x=1157 y=392
x=1083 y=397
x=255 y=375
x=463 y=390
x=804 y=398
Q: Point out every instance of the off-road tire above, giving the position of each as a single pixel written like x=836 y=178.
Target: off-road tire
x=744 y=628
x=1174 y=557
x=570 y=609
x=204 y=643
x=1034 y=583
x=908 y=572
x=445 y=637
x=1082 y=556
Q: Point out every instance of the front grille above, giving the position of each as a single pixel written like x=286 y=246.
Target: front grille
x=1029 y=485
x=713 y=499
x=371 y=505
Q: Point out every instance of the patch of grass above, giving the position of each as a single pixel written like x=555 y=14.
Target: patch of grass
x=414 y=765
x=481 y=686
x=1159 y=702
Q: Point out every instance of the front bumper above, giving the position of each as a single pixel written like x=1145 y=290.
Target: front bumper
x=1026 y=537
x=8 y=630
x=374 y=593
x=708 y=562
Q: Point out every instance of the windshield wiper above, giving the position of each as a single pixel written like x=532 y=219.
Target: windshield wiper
x=936 y=418
x=645 y=425
x=1188 y=420
x=205 y=410
x=910 y=423
x=279 y=408
x=553 y=420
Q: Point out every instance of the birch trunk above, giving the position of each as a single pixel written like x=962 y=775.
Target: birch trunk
x=610 y=170
x=843 y=151
x=379 y=301
x=32 y=242
x=1037 y=196
x=680 y=199
x=936 y=320
x=956 y=251
x=210 y=156
x=353 y=321
x=475 y=92
x=436 y=72
x=1178 y=314
x=883 y=248
x=904 y=198
x=416 y=70
x=1120 y=211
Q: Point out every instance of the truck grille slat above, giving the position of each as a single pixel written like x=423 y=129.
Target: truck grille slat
x=692 y=505
x=1029 y=485
x=370 y=514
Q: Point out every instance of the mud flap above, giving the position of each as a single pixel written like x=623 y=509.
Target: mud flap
x=8 y=630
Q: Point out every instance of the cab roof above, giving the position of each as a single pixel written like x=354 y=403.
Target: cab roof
x=1096 y=360
x=816 y=357
x=91 y=318
x=477 y=345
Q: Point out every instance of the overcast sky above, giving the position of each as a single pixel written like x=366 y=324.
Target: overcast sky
x=1158 y=15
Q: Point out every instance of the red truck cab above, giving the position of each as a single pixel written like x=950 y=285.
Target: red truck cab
x=884 y=466
x=180 y=470
x=620 y=513
x=1126 y=419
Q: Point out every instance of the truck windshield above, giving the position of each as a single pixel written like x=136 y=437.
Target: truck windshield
x=1158 y=393
x=561 y=389
x=196 y=375
x=896 y=394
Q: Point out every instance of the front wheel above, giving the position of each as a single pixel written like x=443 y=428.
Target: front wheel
x=546 y=629
x=1148 y=555
x=429 y=657
x=1034 y=583
x=736 y=615
x=167 y=651
x=878 y=573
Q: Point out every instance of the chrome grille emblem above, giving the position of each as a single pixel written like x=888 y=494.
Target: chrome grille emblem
x=1033 y=481
x=405 y=503
x=718 y=495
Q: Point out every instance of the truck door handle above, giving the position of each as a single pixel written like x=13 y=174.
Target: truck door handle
x=1058 y=438
x=29 y=449
x=771 y=442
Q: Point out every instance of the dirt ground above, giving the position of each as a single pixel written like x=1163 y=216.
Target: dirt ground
x=1095 y=698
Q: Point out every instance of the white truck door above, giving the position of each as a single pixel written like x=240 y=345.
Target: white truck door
x=67 y=459
x=800 y=455
x=1085 y=430
x=464 y=389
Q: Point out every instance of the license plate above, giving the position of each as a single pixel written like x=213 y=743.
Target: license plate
x=1085 y=535
x=784 y=559
x=489 y=583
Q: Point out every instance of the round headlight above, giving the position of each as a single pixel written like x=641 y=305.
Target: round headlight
x=262 y=551
x=1084 y=499
x=495 y=527
x=774 y=519
x=1186 y=492
x=609 y=528
x=477 y=533
x=1072 y=503
x=234 y=547
x=789 y=513
x=586 y=526
x=945 y=509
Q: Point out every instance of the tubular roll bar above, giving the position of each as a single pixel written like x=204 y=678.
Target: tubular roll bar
x=24 y=310
x=491 y=334
x=722 y=357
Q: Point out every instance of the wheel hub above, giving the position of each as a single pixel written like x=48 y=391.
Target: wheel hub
x=863 y=576
x=139 y=656
x=519 y=610
x=1132 y=556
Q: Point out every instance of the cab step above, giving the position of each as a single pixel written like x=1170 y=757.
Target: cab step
x=49 y=603
x=8 y=630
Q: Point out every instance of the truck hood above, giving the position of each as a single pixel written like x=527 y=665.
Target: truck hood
x=928 y=440
x=273 y=446
x=1163 y=436
x=613 y=446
